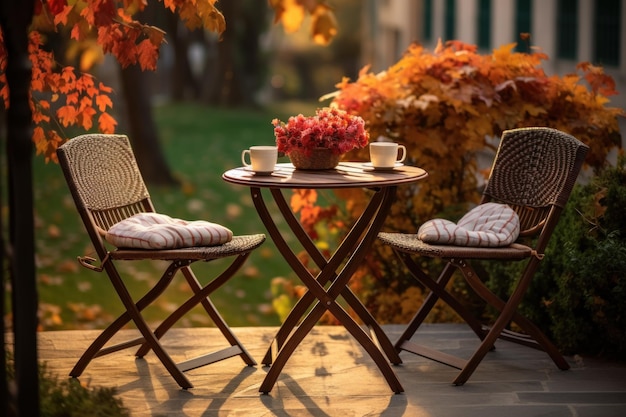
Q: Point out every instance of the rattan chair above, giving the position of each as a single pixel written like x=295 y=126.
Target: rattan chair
x=534 y=172
x=107 y=187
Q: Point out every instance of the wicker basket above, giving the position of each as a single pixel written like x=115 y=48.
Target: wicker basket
x=320 y=158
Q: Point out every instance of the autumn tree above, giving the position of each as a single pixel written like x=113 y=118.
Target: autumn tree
x=61 y=101
x=67 y=99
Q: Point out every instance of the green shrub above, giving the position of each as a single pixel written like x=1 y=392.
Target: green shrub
x=69 y=398
x=578 y=295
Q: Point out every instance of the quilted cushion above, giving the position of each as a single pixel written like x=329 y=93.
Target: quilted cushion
x=159 y=231
x=487 y=225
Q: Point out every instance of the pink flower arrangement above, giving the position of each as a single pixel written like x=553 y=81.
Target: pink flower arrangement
x=330 y=128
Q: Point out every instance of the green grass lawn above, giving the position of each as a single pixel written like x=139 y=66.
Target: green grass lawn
x=200 y=143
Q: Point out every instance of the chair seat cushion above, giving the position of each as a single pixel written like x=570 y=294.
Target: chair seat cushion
x=487 y=225
x=159 y=231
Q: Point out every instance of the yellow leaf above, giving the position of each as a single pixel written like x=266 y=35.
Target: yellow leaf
x=67 y=265
x=251 y=271
x=54 y=231
x=212 y=19
x=504 y=51
x=532 y=110
x=133 y=6
x=292 y=16
x=187 y=13
x=39 y=137
x=91 y=55
x=170 y=4
x=324 y=25
x=156 y=35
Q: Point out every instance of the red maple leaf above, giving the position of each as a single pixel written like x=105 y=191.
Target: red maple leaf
x=103 y=101
x=56 y=6
x=106 y=123
x=148 y=55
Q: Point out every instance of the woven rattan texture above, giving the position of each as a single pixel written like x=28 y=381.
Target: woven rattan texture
x=534 y=167
x=238 y=245
x=320 y=158
x=104 y=171
x=406 y=242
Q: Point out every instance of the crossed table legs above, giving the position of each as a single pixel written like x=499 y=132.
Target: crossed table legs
x=352 y=250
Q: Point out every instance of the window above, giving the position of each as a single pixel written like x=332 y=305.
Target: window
x=484 y=24
x=606 y=28
x=396 y=46
x=450 y=25
x=427 y=24
x=523 y=13
x=567 y=29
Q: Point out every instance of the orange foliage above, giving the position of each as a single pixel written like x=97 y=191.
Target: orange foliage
x=62 y=97
x=291 y=14
x=447 y=107
x=303 y=201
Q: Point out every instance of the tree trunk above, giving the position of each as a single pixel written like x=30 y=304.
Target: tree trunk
x=227 y=89
x=252 y=65
x=184 y=81
x=139 y=119
x=143 y=131
x=233 y=69
x=15 y=17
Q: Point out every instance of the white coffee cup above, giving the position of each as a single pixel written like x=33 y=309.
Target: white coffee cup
x=262 y=158
x=385 y=154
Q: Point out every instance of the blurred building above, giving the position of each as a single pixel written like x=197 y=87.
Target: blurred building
x=568 y=31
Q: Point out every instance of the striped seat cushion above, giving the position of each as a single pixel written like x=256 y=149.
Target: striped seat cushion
x=487 y=225
x=159 y=231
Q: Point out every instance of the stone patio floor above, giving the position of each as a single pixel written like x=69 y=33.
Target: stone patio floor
x=331 y=375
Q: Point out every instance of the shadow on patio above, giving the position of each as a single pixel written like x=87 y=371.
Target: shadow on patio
x=331 y=375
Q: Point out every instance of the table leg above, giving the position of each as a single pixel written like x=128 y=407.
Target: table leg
x=370 y=222
x=355 y=330
x=320 y=260
x=305 y=302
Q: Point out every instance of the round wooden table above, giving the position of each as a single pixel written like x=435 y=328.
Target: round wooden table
x=339 y=267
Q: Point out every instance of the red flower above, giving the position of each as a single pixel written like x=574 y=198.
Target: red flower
x=329 y=128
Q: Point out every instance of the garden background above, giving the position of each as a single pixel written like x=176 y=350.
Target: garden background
x=211 y=83
x=202 y=123
x=200 y=143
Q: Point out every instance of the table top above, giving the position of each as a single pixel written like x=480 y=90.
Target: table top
x=345 y=175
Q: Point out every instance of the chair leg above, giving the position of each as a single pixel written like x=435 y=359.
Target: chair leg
x=97 y=348
x=536 y=338
x=508 y=313
x=437 y=291
x=201 y=296
x=502 y=321
x=212 y=311
x=144 y=329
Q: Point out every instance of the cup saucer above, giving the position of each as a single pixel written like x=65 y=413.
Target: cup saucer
x=249 y=169
x=368 y=166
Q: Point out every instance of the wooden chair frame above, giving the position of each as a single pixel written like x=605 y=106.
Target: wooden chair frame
x=107 y=187
x=534 y=172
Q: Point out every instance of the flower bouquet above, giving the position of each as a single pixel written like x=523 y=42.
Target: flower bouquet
x=331 y=131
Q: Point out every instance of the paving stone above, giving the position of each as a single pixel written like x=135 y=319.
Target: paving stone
x=331 y=375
